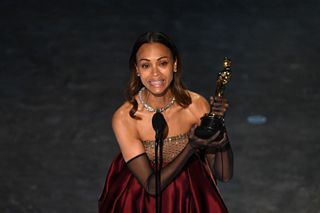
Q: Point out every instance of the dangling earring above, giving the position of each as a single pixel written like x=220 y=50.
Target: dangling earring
x=175 y=67
x=136 y=69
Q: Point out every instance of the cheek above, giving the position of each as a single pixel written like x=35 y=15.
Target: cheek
x=170 y=77
x=143 y=79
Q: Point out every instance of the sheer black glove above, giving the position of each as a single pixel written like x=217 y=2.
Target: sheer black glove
x=218 y=141
x=219 y=105
x=141 y=169
x=218 y=152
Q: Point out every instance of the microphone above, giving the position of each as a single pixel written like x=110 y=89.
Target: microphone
x=158 y=123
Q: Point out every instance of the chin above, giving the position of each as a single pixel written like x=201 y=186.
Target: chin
x=158 y=91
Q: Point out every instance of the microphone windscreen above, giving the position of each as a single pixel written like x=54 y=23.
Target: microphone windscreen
x=158 y=122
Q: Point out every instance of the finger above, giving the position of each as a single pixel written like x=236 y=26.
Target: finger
x=218 y=102
x=217 y=105
x=194 y=126
x=211 y=100
x=225 y=103
x=213 y=137
x=220 y=105
x=219 y=111
x=224 y=140
x=223 y=109
x=201 y=142
x=221 y=101
x=192 y=131
x=218 y=98
x=219 y=143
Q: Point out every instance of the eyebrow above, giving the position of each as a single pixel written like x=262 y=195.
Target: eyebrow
x=157 y=59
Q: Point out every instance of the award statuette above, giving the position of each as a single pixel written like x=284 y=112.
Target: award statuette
x=211 y=123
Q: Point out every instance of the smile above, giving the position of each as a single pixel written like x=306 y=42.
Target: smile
x=156 y=83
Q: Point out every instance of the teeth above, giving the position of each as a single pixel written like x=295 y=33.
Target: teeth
x=156 y=83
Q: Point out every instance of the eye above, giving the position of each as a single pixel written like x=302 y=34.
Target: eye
x=163 y=63
x=145 y=66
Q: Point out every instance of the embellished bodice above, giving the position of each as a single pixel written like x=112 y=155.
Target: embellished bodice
x=172 y=146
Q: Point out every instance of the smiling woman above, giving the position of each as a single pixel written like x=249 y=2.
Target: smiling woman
x=135 y=84
x=191 y=165
x=155 y=66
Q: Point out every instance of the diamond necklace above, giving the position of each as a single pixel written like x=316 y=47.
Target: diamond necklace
x=150 y=108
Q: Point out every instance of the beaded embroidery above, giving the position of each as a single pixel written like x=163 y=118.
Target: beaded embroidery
x=172 y=146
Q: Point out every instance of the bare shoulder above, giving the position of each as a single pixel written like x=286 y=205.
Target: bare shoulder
x=121 y=112
x=199 y=105
x=121 y=117
x=199 y=102
x=125 y=130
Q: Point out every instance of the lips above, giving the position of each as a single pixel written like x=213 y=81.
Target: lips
x=156 y=83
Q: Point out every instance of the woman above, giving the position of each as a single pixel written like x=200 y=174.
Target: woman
x=191 y=164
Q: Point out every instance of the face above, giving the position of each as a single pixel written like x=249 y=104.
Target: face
x=155 y=66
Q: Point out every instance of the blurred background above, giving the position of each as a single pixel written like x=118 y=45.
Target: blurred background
x=64 y=67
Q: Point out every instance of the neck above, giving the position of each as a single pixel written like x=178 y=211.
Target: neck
x=158 y=101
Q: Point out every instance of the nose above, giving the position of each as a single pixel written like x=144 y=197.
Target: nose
x=155 y=71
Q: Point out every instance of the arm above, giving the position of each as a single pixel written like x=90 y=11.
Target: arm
x=141 y=169
x=134 y=154
x=218 y=153
x=223 y=165
x=220 y=160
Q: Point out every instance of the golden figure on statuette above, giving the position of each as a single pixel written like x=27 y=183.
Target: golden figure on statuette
x=211 y=123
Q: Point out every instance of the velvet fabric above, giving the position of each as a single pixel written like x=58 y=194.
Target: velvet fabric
x=193 y=190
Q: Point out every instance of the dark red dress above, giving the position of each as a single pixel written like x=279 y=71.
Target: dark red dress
x=193 y=190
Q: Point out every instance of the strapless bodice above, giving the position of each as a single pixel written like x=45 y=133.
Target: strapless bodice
x=172 y=146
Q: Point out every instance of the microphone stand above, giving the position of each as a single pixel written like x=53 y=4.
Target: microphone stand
x=158 y=166
x=159 y=124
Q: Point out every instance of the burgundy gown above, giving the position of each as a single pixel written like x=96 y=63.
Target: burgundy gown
x=193 y=190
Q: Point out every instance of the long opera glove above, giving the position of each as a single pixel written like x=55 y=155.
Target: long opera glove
x=141 y=169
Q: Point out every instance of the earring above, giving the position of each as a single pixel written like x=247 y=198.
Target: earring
x=138 y=74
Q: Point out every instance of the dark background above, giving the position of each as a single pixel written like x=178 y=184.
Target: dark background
x=64 y=66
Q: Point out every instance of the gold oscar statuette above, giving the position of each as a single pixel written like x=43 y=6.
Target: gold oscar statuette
x=211 y=123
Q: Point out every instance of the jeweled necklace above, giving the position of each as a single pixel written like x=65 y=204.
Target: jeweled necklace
x=150 y=108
